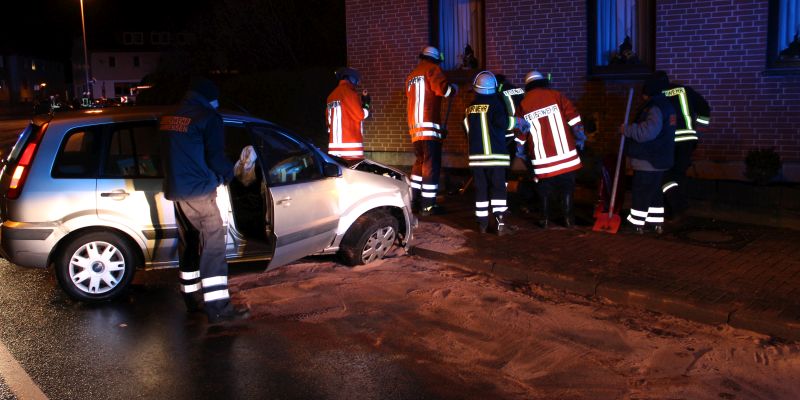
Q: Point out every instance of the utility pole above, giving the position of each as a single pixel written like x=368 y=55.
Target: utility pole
x=85 y=52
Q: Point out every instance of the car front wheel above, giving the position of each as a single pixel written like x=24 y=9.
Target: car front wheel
x=369 y=238
x=96 y=266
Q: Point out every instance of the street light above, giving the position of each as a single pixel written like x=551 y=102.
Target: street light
x=85 y=51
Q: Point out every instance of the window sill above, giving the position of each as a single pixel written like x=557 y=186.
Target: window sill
x=778 y=69
x=620 y=72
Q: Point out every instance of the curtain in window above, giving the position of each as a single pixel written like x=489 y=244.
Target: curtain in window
x=788 y=22
x=459 y=26
x=616 y=19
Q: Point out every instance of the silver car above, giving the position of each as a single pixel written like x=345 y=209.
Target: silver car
x=81 y=192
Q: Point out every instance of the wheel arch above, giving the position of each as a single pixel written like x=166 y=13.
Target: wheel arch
x=59 y=247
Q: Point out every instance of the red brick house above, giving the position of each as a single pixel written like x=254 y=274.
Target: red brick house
x=729 y=51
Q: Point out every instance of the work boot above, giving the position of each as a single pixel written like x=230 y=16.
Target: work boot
x=502 y=228
x=544 y=222
x=482 y=228
x=432 y=210
x=228 y=313
x=658 y=229
x=193 y=302
x=569 y=220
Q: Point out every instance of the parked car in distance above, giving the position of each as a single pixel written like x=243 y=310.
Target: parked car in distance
x=80 y=192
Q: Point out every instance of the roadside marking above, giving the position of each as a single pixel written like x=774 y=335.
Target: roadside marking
x=17 y=379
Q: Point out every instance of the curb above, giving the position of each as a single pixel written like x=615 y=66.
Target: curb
x=630 y=295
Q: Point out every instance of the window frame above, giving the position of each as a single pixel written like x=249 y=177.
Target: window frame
x=94 y=163
x=773 y=65
x=107 y=134
x=457 y=75
x=620 y=71
x=261 y=134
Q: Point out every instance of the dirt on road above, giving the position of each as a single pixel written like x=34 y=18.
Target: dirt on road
x=474 y=337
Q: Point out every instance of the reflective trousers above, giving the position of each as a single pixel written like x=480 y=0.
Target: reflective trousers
x=201 y=249
x=490 y=191
x=647 y=201
x=425 y=172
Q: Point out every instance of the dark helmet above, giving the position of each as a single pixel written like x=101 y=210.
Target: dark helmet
x=656 y=83
x=432 y=53
x=348 y=73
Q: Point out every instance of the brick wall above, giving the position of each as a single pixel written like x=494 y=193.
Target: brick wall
x=718 y=47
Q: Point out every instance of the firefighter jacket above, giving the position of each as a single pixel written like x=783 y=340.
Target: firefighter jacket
x=194 y=163
x=425 y=86
x=652 y=136
x=512 y=97
x=486 y=123
x=345 y=116
x=692 y=109
x=551 y=145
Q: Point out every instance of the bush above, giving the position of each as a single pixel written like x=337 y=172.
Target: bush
x=762 y=165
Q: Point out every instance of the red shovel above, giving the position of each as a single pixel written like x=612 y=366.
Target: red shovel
x=609 y=222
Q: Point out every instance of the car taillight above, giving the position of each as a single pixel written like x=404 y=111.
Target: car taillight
x=23 y=167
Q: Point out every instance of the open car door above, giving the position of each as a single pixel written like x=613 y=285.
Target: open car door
x=303 y=202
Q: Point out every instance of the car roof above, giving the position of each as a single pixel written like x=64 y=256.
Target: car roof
x=127 y=113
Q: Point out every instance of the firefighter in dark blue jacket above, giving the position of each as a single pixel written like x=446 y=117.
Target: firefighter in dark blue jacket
x=486 y=123
x=650 y=145
x=194 y=166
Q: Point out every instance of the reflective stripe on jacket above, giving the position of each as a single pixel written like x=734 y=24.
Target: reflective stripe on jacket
x=692 y=110
x=425 y=87
x=551 y=144
x=486 y=123
x=344 y=118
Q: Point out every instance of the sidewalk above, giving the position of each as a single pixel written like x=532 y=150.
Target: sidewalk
x=709 y=271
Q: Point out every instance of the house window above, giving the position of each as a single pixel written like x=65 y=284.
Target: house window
x=458 y=30
x=112 y=62
x=135 y=61
x=159 y=38
x=784 y=34
x=621 y=38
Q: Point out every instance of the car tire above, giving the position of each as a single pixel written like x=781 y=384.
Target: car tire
x=96 y=266
x=370 y=238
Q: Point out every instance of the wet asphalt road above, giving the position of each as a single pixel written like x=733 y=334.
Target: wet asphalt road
x=146 y=346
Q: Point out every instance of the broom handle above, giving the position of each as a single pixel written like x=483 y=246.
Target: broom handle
x=619 y=156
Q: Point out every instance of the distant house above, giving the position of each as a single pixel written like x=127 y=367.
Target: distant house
x=738 y=54
x=27 y=79
x=120 y=62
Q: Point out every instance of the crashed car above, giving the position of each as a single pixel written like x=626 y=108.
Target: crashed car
x=80 y=193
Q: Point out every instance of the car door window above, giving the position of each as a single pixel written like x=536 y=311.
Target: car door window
x=285 y=158
x=133 y=151
x=77 y=156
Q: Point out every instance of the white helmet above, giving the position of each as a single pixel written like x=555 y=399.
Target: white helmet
x=533 y=76
x=485 y=83
x=432 y=52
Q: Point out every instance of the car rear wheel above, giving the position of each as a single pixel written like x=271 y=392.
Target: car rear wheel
x=96 y=266
x=369 y=238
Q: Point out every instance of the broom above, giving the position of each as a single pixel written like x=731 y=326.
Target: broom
x=610 y=222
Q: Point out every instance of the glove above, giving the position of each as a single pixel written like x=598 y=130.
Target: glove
x=580 y=137
x=523 y=125
x=366 y=99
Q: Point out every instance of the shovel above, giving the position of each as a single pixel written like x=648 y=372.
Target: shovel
x=609 y=222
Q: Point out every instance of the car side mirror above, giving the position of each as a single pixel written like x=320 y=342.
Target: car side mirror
x=331 y=170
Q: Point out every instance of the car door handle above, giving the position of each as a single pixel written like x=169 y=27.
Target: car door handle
x=117 y=194
x=286 y=201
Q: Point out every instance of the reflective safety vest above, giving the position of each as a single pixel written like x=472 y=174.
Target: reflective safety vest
x=425 y=86
x=345 y=117
x=486 y=123
x=551 y=145
x=692 y=109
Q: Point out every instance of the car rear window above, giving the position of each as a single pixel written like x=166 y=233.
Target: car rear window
x=31 y=131
x=77 y=156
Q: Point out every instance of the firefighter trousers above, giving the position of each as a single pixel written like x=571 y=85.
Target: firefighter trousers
x=647 y=201
x=490 y=192
x=425 y=172
x=201 y=249
x=674 y=187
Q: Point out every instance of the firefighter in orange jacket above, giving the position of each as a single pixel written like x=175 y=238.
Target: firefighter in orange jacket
x=346 y=111
x=425 y=87
x=556 y=133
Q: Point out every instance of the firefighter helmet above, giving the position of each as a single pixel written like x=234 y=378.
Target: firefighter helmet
x=485 y=83
x=348 y=73
x=533 y=76
x=433 y=53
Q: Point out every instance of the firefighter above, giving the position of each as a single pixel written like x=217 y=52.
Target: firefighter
x=426 y=85
x=693 y=114
x=515 y=139
x=487 y=121
x=194 y=166
x=552 y=151
x=650 y=145
x=346 y=111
